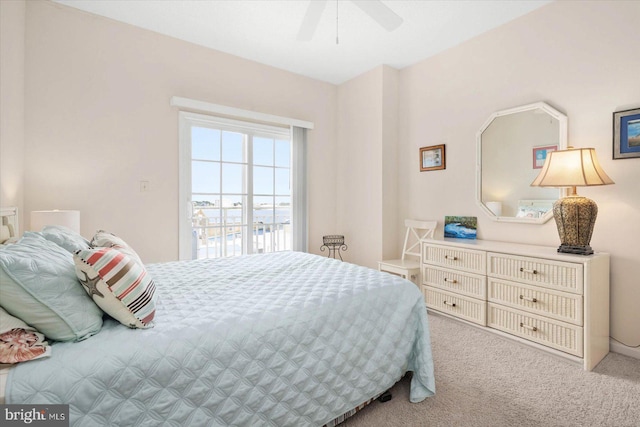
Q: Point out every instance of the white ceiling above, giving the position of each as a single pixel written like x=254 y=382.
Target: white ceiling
x=265 y=30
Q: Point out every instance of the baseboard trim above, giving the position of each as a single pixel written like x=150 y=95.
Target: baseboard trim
x=616 y=347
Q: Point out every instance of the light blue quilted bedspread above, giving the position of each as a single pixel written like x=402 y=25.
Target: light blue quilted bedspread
x=283 y=339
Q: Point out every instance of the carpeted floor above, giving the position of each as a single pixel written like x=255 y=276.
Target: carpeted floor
x=488 y=381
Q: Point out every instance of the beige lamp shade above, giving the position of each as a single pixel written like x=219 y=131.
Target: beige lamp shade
x=69 y=219
x=572 y=168
x=575 y=215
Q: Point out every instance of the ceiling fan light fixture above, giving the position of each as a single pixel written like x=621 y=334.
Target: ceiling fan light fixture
x=380 y=13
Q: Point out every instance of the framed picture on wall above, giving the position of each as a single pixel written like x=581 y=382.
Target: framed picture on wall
x=432 y=158
x=540 y=155
x=626 y=134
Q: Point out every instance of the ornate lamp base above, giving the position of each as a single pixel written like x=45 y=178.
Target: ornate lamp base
x=575 y=216
x=578 y=250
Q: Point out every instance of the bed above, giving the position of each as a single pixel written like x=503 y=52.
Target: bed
x=282 y=339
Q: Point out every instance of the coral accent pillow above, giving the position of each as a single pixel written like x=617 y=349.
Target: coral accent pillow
x=103 y=239
x=20 y=342
x=118 y=284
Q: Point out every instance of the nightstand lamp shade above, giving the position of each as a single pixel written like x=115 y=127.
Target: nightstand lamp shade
x=69 y=219
x=575 y=215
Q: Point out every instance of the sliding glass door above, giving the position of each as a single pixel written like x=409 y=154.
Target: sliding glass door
x=235 y=188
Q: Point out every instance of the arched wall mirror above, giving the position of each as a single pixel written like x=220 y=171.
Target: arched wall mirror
x=512 y=146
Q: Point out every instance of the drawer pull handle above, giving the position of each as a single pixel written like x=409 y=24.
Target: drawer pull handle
x=452 y=304
x=531 y=328
x=528 y=298
x=454 y=281
x=524 y=270
x=452 y=258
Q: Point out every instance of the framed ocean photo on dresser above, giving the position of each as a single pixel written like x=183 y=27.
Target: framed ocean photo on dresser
x=626 y=134
x=460 y=227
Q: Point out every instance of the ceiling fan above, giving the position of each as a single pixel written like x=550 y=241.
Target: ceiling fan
x=380 y=13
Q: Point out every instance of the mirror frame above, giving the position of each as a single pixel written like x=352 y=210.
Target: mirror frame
x=562 y=145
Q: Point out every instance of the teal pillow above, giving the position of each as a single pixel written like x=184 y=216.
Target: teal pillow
x=38 y=284
x=65 y=237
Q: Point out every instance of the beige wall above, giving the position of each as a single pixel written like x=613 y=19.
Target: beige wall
x=367 y=166
x=359 y=159
x=12 y=33
x=391 y=244
x=580 y=57
x=98 y=121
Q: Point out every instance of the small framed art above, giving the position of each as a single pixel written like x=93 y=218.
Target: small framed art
x=540 y=155
x=432 y=158
x=460 y=227
x=626 y=134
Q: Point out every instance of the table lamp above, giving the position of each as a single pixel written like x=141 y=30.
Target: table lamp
x=575 y=215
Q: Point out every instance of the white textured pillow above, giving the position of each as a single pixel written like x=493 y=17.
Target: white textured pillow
x=65 y=237
x=104 y=239
x=118 y=284
x=20 y=342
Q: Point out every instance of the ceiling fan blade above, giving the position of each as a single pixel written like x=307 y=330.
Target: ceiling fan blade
x=380 y=13
x=311 y=19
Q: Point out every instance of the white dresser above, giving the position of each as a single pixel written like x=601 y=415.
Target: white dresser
x=557 y=302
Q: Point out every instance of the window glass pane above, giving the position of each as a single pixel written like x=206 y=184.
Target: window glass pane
x=282 y=181
x=262 y=180
x=262 y=221
x=262 y=209
x=205 y=177
x=283 y=202
x=200 y=201
x=232 y=146
x=283 y=210
x=208 y=242
x=233 y=243
x=283 y=153
x=232 y=178
x=262 y=151
x=205 y=210
x=205 y=143
x=281 y=231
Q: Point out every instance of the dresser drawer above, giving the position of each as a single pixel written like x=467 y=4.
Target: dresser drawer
x=466 y=308
x=552 y=333
x=563 y=276
x=472 y=285
x=458 y=258
x=545 y=302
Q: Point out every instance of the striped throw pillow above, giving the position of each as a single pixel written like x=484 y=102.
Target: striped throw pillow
x=104 y=239
x=118 y=284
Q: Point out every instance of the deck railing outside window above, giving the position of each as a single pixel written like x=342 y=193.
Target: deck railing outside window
x=218 y=232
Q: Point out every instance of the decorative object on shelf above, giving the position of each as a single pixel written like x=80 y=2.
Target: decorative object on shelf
x=334 y=243
x=69 y=219
x=540 y=155
x=432 y=158
x=461 y=227
x=626 y=134
x=575 y=215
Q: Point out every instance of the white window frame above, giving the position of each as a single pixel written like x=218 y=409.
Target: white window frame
x=298 y=174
